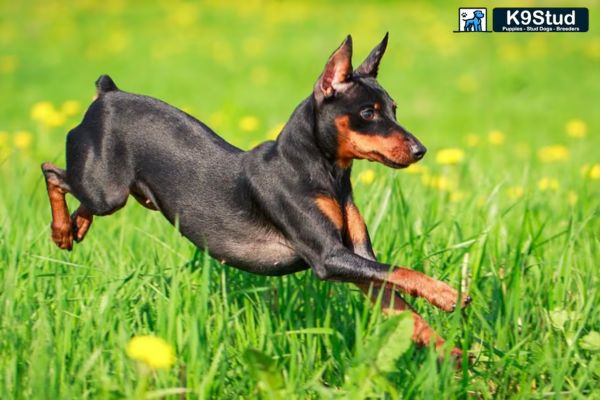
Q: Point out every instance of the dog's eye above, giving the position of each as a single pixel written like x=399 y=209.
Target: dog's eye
x=367 y=113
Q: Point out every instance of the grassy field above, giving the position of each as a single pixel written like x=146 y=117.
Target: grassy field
x=505 y=203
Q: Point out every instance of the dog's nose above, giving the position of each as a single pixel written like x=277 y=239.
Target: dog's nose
x=418 y=151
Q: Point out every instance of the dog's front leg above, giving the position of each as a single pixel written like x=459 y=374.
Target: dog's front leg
x=391 y=301
x=409 y=281
x=318 y=231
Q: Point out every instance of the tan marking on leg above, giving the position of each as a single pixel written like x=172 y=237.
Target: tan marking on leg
x=357 y=230
x=393 y=303
x=332 y=210
x=61 y=222
x=81 y=220
x=418 y=284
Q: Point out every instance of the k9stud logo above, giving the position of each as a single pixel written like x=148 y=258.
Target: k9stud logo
x=472 y=19
x=524 y=19
x=541 y=19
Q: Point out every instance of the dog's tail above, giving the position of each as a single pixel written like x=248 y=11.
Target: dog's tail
x=105 y=84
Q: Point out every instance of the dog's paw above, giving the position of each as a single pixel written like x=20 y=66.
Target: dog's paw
x=80 y=225
x=62 y=235
x=456 y=357
x=446 y=298
x=465 y=300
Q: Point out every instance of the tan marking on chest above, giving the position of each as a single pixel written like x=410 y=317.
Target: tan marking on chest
x=332 y=210
x=356 y=225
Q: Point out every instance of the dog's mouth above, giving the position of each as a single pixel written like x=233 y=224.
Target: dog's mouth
x=388 y=162
x=392 y=164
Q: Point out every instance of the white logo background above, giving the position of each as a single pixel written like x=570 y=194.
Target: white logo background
x=469 y=11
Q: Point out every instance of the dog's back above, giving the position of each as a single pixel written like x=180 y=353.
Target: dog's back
x=134 y=144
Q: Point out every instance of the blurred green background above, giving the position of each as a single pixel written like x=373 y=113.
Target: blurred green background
x=226 y=60
x=505 y=203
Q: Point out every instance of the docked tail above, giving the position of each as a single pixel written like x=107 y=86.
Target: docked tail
x=105 y=84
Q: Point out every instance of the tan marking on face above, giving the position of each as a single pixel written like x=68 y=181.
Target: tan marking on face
x=356 y=145
x=332 y=210
x=356 y=225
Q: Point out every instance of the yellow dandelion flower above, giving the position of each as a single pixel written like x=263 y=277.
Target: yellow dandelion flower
x=515 y=192
x=439 y=182
x=248 y=123
x=55 y=119
x=545 y=184
x=8 y=64
x=274 y=132
x=467 y=83
x=153 y=351
x=3 y=139
x=592 y=48
x=45 y=113
x=117 y=41
x=415 y=169
x=510 y=52
x=594 y=172
x=70 y=108
x=537 y=46
x=572 y=197
x=553 y=153
x=366 y=177
x=472 y=140
x=576 y=128
x=22 y=140
x=450 y=156
x=496 y=137
x=457 y=196
x=183 y=15
x=41 y=109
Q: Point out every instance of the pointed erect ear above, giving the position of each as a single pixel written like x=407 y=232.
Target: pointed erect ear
x=337 y=71
x=370 y=66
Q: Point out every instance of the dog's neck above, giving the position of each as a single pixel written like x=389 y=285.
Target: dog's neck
x=301 y=143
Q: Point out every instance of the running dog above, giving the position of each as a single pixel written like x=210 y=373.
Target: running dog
x=282 y=207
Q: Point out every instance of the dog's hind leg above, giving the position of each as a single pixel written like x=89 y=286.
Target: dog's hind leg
x=81 y=220
x=57 y=187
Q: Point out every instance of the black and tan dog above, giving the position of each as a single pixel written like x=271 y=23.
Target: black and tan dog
x=282 y=207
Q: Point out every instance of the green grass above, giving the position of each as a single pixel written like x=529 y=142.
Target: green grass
x=530 y=262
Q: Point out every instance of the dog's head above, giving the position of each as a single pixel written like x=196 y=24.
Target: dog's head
x=356 y=118
x=478 y=14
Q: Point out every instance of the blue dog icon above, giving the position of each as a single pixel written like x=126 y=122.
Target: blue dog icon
x=473 y=24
